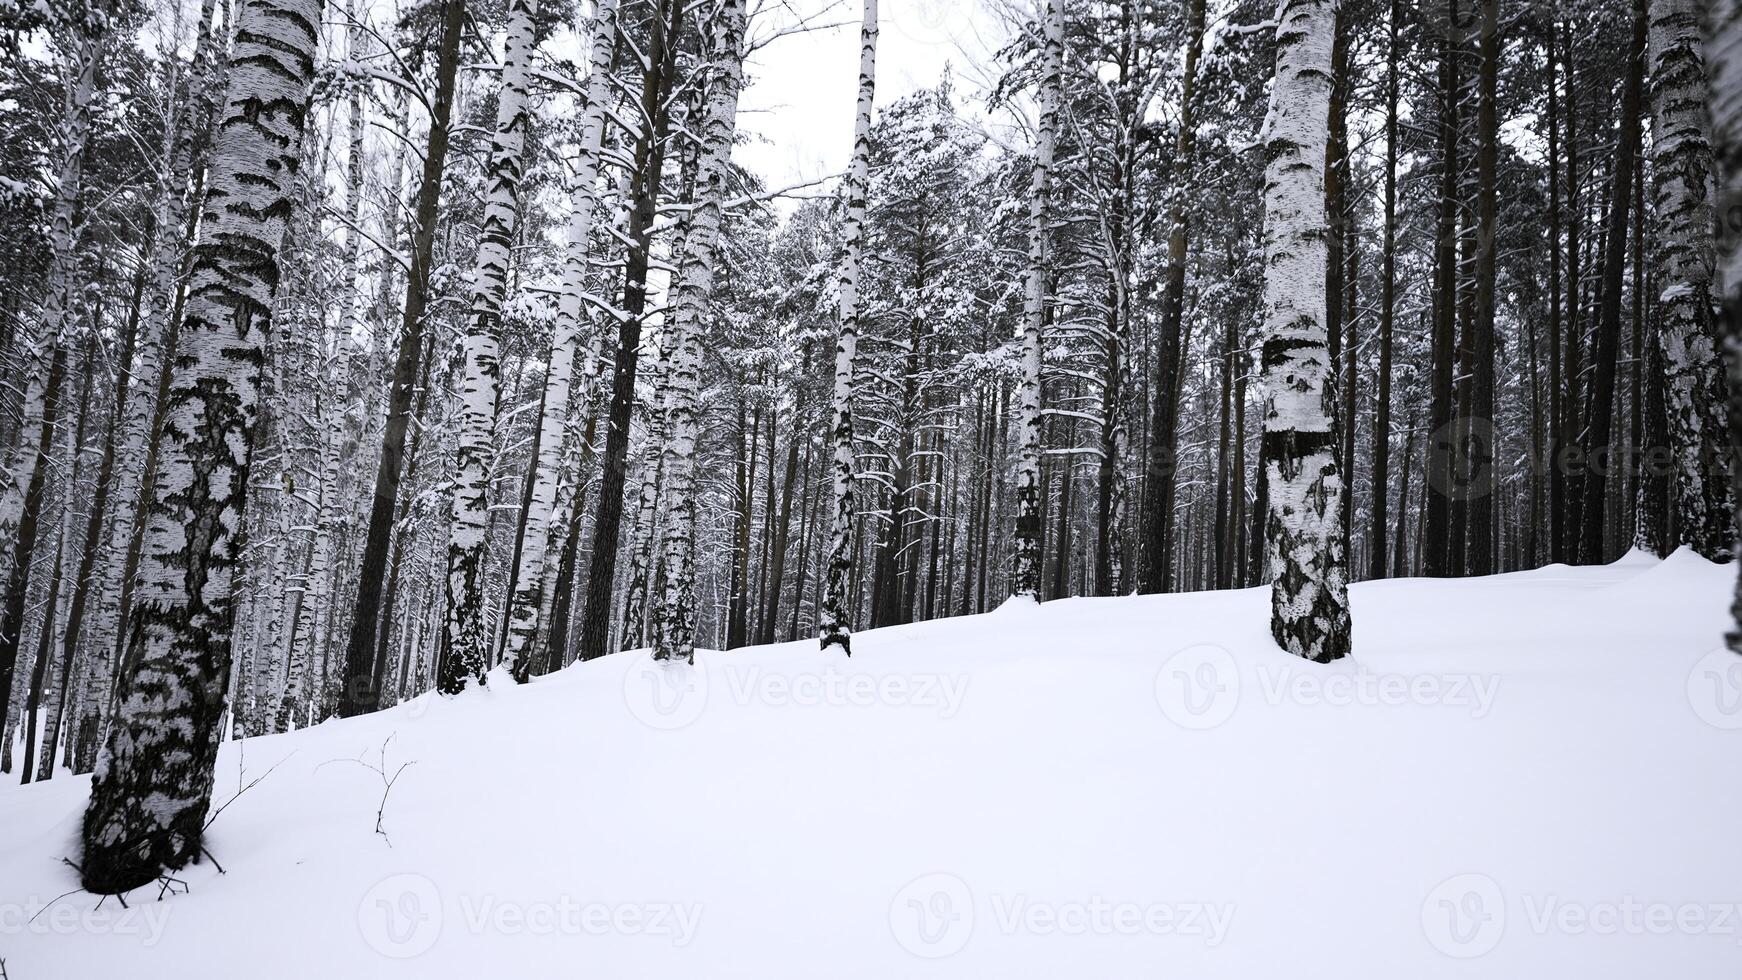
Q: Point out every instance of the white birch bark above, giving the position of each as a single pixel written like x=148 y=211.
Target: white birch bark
x=833 y=615
x=1025 y=556
x=153 y=783
x=186 y=142
x=647 y=512
x=1310 y=596
x=1684 y=254
x=51 y=319
x=526 y=606
x=674 y=622
x=1724 y=80
x=27 y=459
x=465 y=651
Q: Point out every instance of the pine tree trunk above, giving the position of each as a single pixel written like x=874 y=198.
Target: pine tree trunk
x=1309 y=598
x=1724 y=73
x=359 y=695
x=646 y=177
x=1436 y=550
x=1380 y=524
x=1597 y=448
x=153 y=784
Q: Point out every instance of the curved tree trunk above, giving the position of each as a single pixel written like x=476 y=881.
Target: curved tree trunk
x=153 y=785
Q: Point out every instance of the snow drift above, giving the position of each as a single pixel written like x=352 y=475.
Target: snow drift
x=1529 y=775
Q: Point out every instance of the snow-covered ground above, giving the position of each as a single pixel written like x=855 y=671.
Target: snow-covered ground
x=1535 y=775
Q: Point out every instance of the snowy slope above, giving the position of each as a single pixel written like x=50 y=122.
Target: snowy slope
x=1532 y=775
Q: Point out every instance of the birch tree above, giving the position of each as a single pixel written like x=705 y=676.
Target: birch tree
x=1026 y=557
x=529 y=598
x=1724 y=77
x=153 y=785
x=674 y=623
x=1309 y=594
x=21 y=500
x=834 y=622
x=1682 y=175
x=465 y=643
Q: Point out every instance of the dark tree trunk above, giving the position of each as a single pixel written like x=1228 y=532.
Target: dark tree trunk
x=1597 y=448
x=359 y=694
x=650 y=150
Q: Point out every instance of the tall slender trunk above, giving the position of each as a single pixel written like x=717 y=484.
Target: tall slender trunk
x=834 y=610
x=1309 y=597
x=1597 y=448
x=1025 y=568
x=1442 y=445
x=647 y=175
x=1380 y=524
x=359 y=693
x=1155 y=536
x=465 y=649
x=529 y=591
x=675 y=620
x=1692 y=379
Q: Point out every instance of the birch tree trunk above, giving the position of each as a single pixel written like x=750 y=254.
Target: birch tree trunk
x=1025 y=555
x=465 y=641
x=153 y=784
x=1682 y=173
x=674 y=620
x=525 y=606
x=834 y=614
x=1309 y=597
x=47 y=363
x=1724 y=75
x=186 y=144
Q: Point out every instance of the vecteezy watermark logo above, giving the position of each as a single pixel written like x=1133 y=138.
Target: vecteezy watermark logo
x=1461 y=459
x=932 y=916
x=1464 y=916
x=1715 y=689
x=665 y=694
x=36 y=917
x=1198 y=687
x=669 y=696
x=933 y=21
x=404 y=915
x=401 y=917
